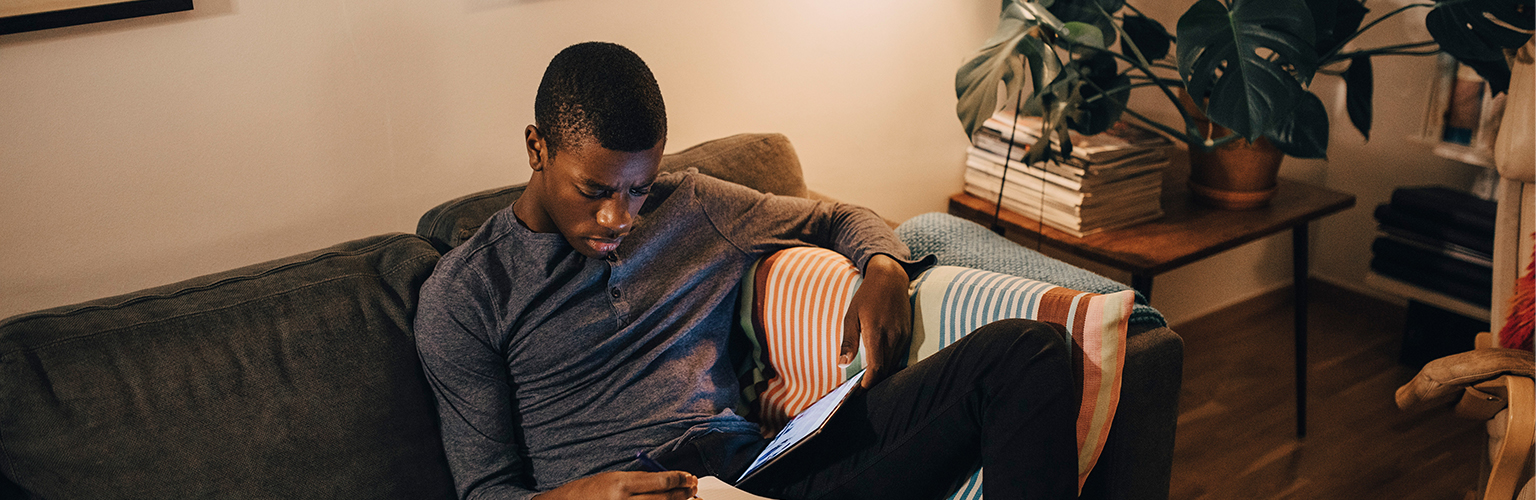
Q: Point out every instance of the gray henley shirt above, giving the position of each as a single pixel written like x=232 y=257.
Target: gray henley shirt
x=549 y=366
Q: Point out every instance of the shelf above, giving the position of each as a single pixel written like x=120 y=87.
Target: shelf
x=1416 y=293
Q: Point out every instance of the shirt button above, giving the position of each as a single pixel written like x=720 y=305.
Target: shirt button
x=614 y=291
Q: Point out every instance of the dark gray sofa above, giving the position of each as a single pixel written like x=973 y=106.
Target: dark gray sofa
x=298 y=378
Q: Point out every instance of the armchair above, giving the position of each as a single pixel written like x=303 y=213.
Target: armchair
x=1494 y=382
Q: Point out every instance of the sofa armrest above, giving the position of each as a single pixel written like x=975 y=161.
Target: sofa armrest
x=1137 y=460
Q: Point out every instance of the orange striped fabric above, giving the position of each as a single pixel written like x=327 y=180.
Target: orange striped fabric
x=798 y=297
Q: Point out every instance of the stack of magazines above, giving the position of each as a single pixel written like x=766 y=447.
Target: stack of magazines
x=1112 y=179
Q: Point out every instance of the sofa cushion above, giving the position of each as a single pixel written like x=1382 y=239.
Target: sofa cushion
x=794 y=303
x=765 y=162
x=296 y=378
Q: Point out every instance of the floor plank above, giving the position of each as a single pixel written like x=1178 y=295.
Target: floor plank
x=1236 y=433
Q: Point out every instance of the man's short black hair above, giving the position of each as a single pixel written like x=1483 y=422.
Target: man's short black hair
x=603 y=91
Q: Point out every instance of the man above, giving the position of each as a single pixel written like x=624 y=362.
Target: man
x=589 y=321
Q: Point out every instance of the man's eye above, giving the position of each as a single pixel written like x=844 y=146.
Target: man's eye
x=596 y=196
x=640 y=191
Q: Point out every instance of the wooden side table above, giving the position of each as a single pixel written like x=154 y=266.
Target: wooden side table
x=1187 y=233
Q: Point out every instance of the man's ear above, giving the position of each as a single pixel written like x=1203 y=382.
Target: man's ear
x=538 y=150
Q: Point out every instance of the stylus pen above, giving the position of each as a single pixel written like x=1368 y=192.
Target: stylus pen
x=648 y=463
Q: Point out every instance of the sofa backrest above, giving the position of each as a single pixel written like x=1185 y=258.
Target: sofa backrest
x=296 y=378
x=765 y=162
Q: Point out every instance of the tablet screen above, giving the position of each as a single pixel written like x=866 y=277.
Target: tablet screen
x=803 y=426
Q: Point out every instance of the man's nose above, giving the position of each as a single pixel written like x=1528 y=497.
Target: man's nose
x=615 y=215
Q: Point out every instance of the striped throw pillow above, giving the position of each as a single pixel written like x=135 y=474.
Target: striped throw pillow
x=794 y=301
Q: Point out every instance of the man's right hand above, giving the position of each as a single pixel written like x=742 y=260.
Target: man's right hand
x=670 y=485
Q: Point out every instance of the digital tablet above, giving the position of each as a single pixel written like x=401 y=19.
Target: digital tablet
x=808 y=423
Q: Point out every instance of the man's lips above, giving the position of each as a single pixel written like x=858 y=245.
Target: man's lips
x=603 y=245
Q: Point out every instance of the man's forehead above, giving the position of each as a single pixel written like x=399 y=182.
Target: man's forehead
x=604 y=168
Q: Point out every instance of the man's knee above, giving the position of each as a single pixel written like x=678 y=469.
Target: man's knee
x=1014 y=341
x=1025 y=353
x=1030 y=335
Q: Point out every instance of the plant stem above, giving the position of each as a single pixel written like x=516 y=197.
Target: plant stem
x=1169 y=81
x=1142 y=64
x=1393 y=50
x=1134 y=62
x=1332 y=54
x=1134 y=9
x=1104 y=94
x=1008 y=156
x=1164 y=128
x=1150 y=122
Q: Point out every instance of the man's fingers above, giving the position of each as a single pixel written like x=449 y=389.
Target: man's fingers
x=668 y=495
x=656 y=482
x=851 y=332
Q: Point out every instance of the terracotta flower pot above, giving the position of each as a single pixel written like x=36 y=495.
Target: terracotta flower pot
x=1239 y=175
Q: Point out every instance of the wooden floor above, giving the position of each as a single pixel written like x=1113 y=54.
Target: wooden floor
x=1237 y=432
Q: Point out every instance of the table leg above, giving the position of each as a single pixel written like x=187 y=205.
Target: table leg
x=1299 y=280
x=1143 y=284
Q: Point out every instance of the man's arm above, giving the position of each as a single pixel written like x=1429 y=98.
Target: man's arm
x=470 y=380
x=880 y=313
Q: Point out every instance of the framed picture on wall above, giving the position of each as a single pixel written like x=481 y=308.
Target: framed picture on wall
x=17 y=16
x=1462 y=118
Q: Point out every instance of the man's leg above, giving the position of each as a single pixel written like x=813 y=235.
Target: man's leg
x=1001 y=397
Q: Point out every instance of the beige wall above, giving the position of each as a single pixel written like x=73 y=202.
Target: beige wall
x=135 y=153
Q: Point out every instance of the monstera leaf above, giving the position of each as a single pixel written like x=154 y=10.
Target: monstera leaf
x=1334 y=21
x=1149 y=36
x=1087 y=12
x=1085 y=38
x=1104 y=93
x=1251 y=61
x=1359 y=89
x=1475 y=32
x=1303 y=132
x=1020 y=32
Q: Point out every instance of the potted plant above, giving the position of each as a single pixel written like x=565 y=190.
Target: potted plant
x=1243 y=66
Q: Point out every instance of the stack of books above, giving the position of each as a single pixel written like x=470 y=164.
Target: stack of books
x=1112 y=179
x=1439 y=239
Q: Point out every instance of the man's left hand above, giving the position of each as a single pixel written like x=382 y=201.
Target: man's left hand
x=881 y=315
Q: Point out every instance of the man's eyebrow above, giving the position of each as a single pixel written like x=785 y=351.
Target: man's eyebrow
x=600 y=186
x=595 y=184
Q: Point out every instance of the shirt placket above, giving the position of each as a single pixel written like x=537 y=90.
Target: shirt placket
x=621 y=310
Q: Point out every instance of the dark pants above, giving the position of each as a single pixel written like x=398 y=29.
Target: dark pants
x=1001 y=397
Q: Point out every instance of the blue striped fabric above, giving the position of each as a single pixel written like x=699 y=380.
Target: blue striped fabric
x=949 y=302
x=971 y=490
x=959 y=242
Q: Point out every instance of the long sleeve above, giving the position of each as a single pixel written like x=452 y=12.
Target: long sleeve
x=759 y=223
x=470 y=380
